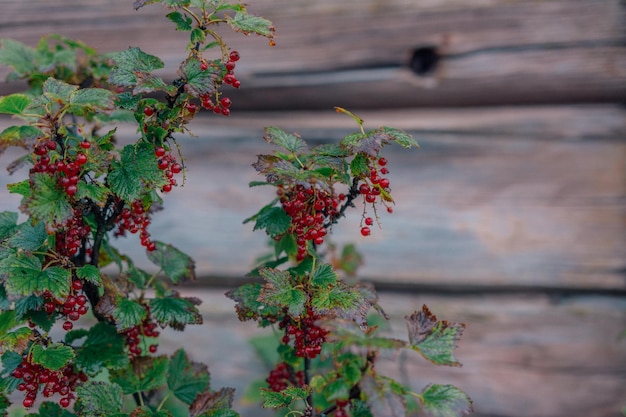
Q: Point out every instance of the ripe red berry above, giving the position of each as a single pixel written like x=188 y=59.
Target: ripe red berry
x=163 y=163
x=234 y=56
x=28 y=402
x=384 y=182
x=148 y=111
x=77 y=285
x=230 y=65
x=68 y=325
x=50 y=144
x=389 y=209
x=204 y=66
x=81 y=159
x=64 y=402
x=382 y=162
x=369 y=221
x=191 y=107
x=229 y=78
x=236 y=83
x=176 y=168
x=159 y=151
x=225 y=111
x=365 y=231
x=71 y=190
x=85 y=144
x=153 y=348
x=225 y=102
x=167 y=188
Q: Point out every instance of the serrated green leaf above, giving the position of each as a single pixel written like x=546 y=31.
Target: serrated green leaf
x=336 y=389
x=98 y=399
x=54 y=357
x=4 y=403
x=134 y=59
x=248 y=305
x=273 y=399
x=89 y=273
x=92 y=191
x=339 y=296
x=8 y=224
x=400 y=137
x=16 y=340
x=290 y=142
x=148 y=83
x=381 y=399
x=136 y=172
x=103 y=347
x=22 y=188
x=10 y=361
x=28 y=237
x=128 y=313
x=174 y=312
x=197 y=36
x=324 y=276
x=18 y=136
x=445 y=401
x=359 y=166
x=147 y=373
x=183 y=22
x=247 y=23
x=435 y=340
x=87 y=100
x=42 y=319
x=48 y=201
x=279 y=290
x=58 y=91
x=7 y=321
x=14 y=104
x=50 y=409
x=26 y=304
x=26 y=277
x=18 y=56
x=214 y=404
x=186 y=379
x=198 y=81
x=273 y=220
x=176 y=265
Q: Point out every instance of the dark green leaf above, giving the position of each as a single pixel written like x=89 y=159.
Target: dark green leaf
x=18 y=56
x=23 y=136
x=273 y=399
x=445 y=401
x=214 y=404
x=51 y=409
x=198 y=81
x=93 y=191
x=274 y=220
x=98 y=399
x=7 y=321
x=176 y=265
x=128 y=313
x=87 y=100
x=8 y=224
x=22 y=188
x=54 y=357
x=246 y=23
x=26 y=277
x=289 y=142
x=48 y=201
x=147 y=373
x=14 y=104
x=104 y=347
x=58 y=91
x=89 y=273
x=248 y=305
x=186 y=379
x=136 y=172
x=183 y=22
x=134 y=59
x=435 y=340
x=174 y=312
x=279 y=290
x=324 y=276
x=28 y=237
x=359 y=166
x=400 y=137
x=26 y=304
x=197 y=36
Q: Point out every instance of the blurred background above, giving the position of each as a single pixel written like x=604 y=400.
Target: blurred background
x=510 y=218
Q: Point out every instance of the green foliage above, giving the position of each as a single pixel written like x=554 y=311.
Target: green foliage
x=445 y=401
x=186 y=379
x=54 y=356
x=99 y=399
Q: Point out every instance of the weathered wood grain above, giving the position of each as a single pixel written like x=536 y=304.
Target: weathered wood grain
x=358 y=53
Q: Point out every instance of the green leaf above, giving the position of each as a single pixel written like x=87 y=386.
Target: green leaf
x=54 y=357
x=292 y=143
x=104 y=347
x=58 y=91
x=128 y=313
x=186 y=379
x=136 y=172
x=28 y=237
x=272 y=399
x=147 y=83
x=274 y=220
x=214 y=404
x=400 y=137
x=92 y=191
x=248 y=305
x=48 y=201
x=98 y=399
x=434 y=340
x=445 y=401
x=246 y=23
x=359 y=166
x=16 y=340
x=87 y=100
x=147 y=373
x=50 y=409
x=381 y=399
x=324 y=276
x=339 y=296
x=17 y=55
x=176 y=265
x=7 y=321
x=18 y=136
x=183 y=22
x=24 y=305
x=198 y=81
x=22 y=188
x=174 y=312
x=197 y=36
x=134 y=59
x=14 y=104
x=89 y=273
x=26 y=277
x=8 y=224
x=279 y=290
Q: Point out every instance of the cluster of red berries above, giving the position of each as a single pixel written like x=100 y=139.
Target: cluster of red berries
x=308 y=337
x=62 y=382
x=67 y=170
x=341 y=405
x=372 y=189
x=222 y=106
x=310 y=209
x=69 y=238
x=135 y=219
x=282 y=376
x=167 y=162
x=73 y=307
x=134 y=334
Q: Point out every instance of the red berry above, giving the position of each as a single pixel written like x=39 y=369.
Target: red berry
x=71 y=190
x=28 y=402
x=148 y=111
x=73 y=315
x=225 y=111
x=389 y=209
x=229 y=78
x=191 y=107
x=159 y=151
x=82 y=310
x=163 y=163
x=384 y=182
x=50 y=144
x=153 y=348
x=85 y=144
x=151 y=247
x=364 y=189
x=167 y=188
x=382 y=162
x=68 y=325
x=234 y=56
x=40 y=150
x=81 y=159
x=176 y=168
x=64 y=402
x=370 y=198
x=204 y=66
x=230 y=65
x=365 y=231
x=369 y=221
x=77 y=285
x=225 y=102
x=236 y=83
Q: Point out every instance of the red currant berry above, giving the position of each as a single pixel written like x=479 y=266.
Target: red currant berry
x=50 y=144
x=364 y=189
x=191 y=107
x=82 y=310
x=85 y=144
x=40 y=150
x=229 y=78
x=68 y=325
x=369 y=221
x=64 y=402
x=236 y=83
x=389 y=209
x=163 y=163
x=71 y=190
x=382 y=162
x=176 y=168
x=230 y=65
x=234 y=56
x=384 y=182
x=204 y=66
x=159 y=151
x=28 y=402
x=225 y=111
x=225 y=102
x=81 y=159
x=77 y=285
x=73 y=315
x=166 y=188
x=153 y=348
x=148 y=111
x=151 y=247
x=365 y=231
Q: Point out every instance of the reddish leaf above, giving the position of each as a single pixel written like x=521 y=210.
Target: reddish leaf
x=208 y=402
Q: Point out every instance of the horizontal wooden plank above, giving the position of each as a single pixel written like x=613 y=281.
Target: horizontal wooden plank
x=489 y=52
x=498 y=196
x=521 y=356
